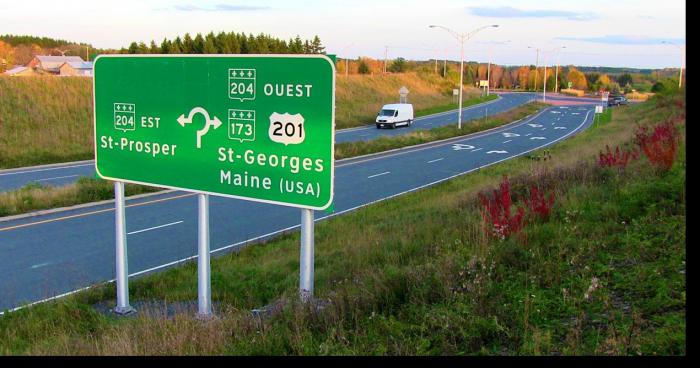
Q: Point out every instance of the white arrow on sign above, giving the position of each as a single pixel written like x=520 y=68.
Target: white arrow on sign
x=460 y=146
x=182 y=120
x=535 y=125
x=510 y=135
x=497 y=152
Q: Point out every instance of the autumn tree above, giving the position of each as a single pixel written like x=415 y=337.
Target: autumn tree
x=577 y=79
x=7 y=56
x=523 y=75
x=496 y=75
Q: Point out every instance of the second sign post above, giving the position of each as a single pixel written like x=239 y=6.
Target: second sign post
x=251 y=127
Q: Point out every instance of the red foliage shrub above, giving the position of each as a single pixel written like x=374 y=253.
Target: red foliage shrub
x=660 y=145
x=538 y=204
x=497 y=215
x=619 y=158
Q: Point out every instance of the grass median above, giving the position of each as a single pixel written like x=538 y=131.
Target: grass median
x=35 y=197
x=604 y=274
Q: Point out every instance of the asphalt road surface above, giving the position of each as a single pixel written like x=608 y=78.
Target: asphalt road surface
x=49 y=255
x=63 y=174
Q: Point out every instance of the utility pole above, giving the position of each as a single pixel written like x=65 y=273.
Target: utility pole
x=537 y=66
x=680 y=72
x=386 y=53
x=488 y=75
x=544 y=81
x=556 y=74
x=444 y=65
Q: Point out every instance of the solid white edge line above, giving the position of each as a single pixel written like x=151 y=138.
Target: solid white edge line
x=40 y=170
x=58 y=177
x=155 y=227
x=295 y=226
x=375 y=175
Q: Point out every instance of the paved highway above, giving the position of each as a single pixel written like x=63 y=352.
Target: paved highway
x=49 y=255
x=67 y=173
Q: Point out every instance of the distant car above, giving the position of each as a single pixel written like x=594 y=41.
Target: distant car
x=393 y=115
x=617 y=100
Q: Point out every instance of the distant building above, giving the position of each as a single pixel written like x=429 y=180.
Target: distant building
x=46 y=64
x=76 y=68
x=20 y=71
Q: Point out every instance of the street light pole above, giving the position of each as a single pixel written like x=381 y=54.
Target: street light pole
x=488 y=75
x=680 y=72
x=556 y=75
x=488 y=69
x=444 y=65
x=461 y=38
x=537 y=65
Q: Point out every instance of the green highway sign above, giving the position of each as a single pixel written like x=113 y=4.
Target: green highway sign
x=256 y=127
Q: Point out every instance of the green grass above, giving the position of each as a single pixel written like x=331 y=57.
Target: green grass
x=352 y=149
x=33 y=197
x=604 y=117
x=428 y=282
x=454 y=106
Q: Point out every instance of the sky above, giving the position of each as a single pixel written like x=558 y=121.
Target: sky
x=621 y=33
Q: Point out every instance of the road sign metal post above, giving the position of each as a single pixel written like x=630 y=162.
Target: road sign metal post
x=306 y=257
x=123 y=306
x=203 y=264
x=253 y=127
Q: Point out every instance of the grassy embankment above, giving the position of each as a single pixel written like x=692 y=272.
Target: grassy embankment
x=605 y=274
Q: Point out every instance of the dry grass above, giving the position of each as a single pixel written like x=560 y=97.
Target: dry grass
x=45 y=119
x=572 y=92
x=35 y=197
x=638 y=96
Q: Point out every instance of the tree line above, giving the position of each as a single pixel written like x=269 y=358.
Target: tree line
x=228 y=43
x=525 y=77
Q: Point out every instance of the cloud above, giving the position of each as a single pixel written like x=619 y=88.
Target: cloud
x=509 y=12
x=624 y=40
x=220 y=8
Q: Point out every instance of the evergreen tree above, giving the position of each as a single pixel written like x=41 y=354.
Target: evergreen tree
x=176 y=47
x=209 y=46
x=316 y=47
x=133 y=48
x=154 y=49
x=198 y=44
x=165 y=46
x=187 y=44
x=143 y=49
x=221 y=44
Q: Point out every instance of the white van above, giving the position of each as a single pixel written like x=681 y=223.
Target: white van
x=393 y=115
